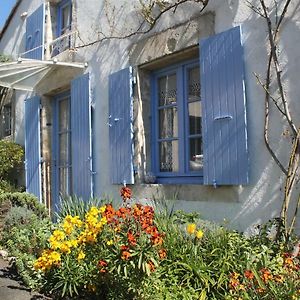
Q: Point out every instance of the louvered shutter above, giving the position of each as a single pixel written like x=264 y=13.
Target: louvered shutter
x=121 y=127
x=81 y=149
x=35 y=24
x=32 y=147
x=224 y=109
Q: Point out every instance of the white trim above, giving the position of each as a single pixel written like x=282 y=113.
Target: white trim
x=14 y=74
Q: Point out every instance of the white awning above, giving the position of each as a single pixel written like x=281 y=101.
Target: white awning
x=25 y=74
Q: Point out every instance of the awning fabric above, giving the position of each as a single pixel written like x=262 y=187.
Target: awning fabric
x=25 y=74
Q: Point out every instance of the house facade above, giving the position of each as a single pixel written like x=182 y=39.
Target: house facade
x=176 y=112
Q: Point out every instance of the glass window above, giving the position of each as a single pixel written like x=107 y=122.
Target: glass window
x=177 y=122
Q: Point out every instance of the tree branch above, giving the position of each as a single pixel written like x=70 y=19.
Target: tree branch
x=139 y=30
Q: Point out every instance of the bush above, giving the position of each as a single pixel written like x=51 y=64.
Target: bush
x=25 y=235
x=11 y=159
x=24 y=200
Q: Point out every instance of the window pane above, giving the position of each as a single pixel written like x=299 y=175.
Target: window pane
x=195 y=117
x=169 y=161
x=66 y=18
x=64 y=115
x=65 y=181
x=64 y=149
x=194 y=84
x=167 y=90
x=196 y=155
x=168 y=122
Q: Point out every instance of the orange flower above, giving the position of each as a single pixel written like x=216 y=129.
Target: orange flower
x=109 y=213
x=266 y=275
x=131 y=238
x=162 y=253
x=125 y=193
x=151 y=266
x=125 y=255
x=249 y=274
x=157 y=240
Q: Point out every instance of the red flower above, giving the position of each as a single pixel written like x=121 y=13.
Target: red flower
x=125 y=193
x=124 y=248
x=102 y=263
x=249 y=274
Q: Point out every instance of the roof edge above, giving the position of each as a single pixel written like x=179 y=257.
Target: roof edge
x=9 y=18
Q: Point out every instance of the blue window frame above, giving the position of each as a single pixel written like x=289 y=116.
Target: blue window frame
x=64 y=17
x=177 y=155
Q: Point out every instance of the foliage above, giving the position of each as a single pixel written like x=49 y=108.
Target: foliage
x=11 y=159
x=107 y=250
x=25 y=235
x=26 y=200
x=75 y=206
x=131 y=252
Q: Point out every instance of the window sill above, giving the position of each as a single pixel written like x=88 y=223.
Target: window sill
x=180 y=180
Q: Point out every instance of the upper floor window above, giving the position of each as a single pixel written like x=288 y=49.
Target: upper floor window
x=177 y=134
x=63 y=27
x=64 y=17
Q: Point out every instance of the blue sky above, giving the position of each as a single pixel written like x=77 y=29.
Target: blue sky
x=5 y=8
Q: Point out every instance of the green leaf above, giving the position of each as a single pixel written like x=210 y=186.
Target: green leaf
x=140 y=261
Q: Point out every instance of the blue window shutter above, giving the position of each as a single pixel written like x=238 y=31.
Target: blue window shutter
x=121 y=127
x=35 y=24
x=81 y=149
x=224 y=109
x=32 y=147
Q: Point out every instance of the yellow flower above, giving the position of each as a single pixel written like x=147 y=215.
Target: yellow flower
x=68 y=227
x=199 y=234
x=54 y=244
x=109 y=243
x=81 y=255
x=102 y=209
x=57 y=235
x=73 y=243
x=191 y=228
x=65 y=248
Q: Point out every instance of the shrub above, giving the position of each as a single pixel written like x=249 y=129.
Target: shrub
x=11 y=159
x=24 y=200
x=25 y=235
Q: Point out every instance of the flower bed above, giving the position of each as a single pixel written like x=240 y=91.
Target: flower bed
x=133 y=252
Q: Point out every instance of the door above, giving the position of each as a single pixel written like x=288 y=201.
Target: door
x=61 y=147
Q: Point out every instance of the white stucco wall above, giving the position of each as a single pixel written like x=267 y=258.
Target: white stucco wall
x=242 y=207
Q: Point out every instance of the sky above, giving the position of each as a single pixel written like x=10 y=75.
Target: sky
x=5 y=8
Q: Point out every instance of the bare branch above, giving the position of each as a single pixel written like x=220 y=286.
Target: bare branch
x=267 y=91
x=151 y=22
x=267 y=118
x=276 y=63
